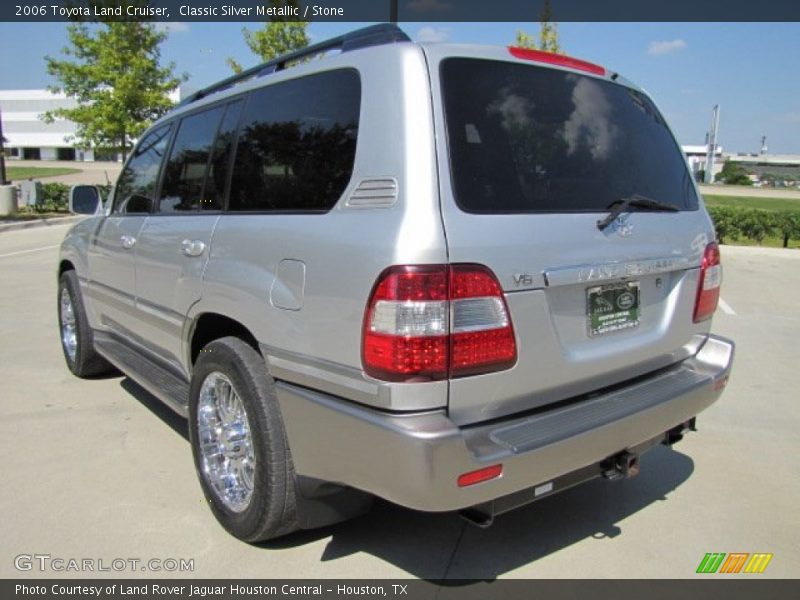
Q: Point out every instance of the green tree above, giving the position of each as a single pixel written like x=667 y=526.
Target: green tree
x=275 y=37
x=733 y=174
x=788 y=225
x=113 y=70
x=548 y=34
x=769 y=178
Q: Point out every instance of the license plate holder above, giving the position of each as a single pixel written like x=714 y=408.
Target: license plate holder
x=612 y=307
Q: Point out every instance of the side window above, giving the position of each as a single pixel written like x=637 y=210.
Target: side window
x=185 y=171
x=136 y=185
x=297 y=144
x=214 y=194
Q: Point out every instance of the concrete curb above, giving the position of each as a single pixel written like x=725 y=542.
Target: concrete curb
x=40 y=223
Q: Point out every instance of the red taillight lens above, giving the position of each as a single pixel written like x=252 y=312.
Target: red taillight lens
x=480 y=475
x=709 y=283
x=482 y=338
x=556 y=59
x=406 y=325
x=431 y=322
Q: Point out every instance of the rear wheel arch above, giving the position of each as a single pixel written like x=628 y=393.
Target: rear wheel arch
x=208 y=327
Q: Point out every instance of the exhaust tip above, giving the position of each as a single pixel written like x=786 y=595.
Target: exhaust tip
x=477 y=516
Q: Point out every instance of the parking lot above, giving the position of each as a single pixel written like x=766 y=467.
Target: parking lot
x=100 y=470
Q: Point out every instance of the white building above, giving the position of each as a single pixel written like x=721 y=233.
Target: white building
x=28 y=137
x=696 y=157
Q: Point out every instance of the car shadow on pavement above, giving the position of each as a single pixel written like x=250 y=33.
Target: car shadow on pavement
x=438 y=547
x=154 y=405
x=442 y=547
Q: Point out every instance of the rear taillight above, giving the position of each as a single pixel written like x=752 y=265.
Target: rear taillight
x=708 y=284
x=432 y=322
x=481 y=335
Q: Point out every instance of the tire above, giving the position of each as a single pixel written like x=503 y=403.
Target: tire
x=260 y=502
x=77 y=343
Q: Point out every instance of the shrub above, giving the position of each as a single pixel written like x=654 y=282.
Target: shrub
x=732 y=223
x=788 y=225
x=726 y=222
x=55 y=198
x=733 y=174
x=756 y=224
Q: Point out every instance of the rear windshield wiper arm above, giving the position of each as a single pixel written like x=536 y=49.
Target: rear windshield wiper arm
x=636 y=201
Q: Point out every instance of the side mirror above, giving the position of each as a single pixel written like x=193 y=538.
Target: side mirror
x=84 y=199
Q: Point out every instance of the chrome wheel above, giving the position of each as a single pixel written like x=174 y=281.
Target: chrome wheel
x=69 y=332
x=226 y=448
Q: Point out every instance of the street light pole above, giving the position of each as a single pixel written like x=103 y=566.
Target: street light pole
x=712 y=145
x=2 y=153
x=393 y=11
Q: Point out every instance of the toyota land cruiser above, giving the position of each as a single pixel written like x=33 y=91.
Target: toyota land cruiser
x=455 y=277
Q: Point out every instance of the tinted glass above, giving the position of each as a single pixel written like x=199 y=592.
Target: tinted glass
x=214 y=194
x=532 y=139
x=185 y=172
x=136 y=185
x=297 y=144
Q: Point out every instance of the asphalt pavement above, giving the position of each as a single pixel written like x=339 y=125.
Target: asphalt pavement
x=100 y=470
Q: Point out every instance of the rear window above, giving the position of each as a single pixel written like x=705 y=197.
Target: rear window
x=529 y=139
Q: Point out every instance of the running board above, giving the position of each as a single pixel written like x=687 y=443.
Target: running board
x=162 y=383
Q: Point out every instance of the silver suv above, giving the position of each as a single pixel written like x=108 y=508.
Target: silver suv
x=455 y=277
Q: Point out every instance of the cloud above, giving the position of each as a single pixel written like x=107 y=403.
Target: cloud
x=589 y=126
x=172 y=27
x=433 y=34
x=513 y=109
x=429 y=6
x=666 y=47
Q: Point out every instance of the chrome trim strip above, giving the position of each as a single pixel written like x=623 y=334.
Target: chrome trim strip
x=323 y=375
x=374 y=192
x=351 y=384
x=614 y=270
x=159 y=315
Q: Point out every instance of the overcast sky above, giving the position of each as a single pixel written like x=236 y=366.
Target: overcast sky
x=750 y=69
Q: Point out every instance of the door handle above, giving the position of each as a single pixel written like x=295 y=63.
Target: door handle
x=127 y=241
x=192 y=247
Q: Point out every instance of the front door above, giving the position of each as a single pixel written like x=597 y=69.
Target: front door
x=112 y=251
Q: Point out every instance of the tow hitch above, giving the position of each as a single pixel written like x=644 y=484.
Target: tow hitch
x=622 y=466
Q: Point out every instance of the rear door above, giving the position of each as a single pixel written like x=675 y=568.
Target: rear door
x=175 y=241
x=531 y=158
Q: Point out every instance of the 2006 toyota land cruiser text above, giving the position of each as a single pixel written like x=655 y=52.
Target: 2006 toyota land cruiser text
x=455 y=277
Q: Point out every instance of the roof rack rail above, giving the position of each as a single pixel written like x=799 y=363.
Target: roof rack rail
x=375 y=35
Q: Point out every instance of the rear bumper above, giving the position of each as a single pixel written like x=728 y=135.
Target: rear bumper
x=415 y=459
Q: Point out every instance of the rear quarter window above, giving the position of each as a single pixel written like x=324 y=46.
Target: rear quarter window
x=297 y=144
x=527 y=139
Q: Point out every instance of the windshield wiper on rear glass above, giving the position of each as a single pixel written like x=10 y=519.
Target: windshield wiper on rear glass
x=636 y=201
